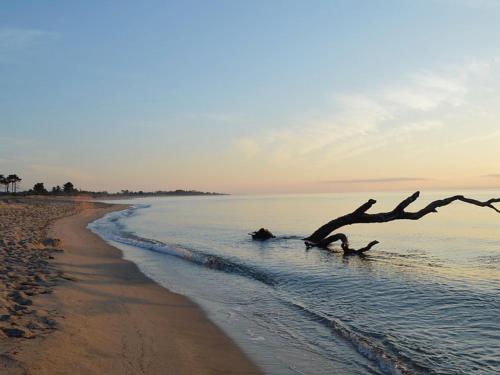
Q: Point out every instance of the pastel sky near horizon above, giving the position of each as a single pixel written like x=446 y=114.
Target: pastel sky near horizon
x=251 y=96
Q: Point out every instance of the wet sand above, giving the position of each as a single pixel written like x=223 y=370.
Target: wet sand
x=107 y=317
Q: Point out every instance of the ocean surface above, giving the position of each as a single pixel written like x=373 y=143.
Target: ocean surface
x=426 y=300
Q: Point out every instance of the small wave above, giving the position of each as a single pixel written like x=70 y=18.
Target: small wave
x=110 y=228
x=117 y=215
x=214 y=262
x=290 y=237
x=385 y=361
x=490 y=261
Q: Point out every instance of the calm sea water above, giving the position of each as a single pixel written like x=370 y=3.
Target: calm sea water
x=426 y=300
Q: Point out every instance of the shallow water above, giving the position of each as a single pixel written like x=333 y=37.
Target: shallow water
x=425 y=300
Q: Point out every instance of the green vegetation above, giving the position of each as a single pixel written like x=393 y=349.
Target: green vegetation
x=10 y=184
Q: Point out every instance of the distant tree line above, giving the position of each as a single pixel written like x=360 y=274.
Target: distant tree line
x=10 y=182
x=164 y=192
x=67 y=188
x=11 y=185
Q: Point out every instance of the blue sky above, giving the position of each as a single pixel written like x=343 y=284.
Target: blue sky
x=257 y=96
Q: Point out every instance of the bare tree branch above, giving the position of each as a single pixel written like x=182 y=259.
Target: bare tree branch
x=321 y=237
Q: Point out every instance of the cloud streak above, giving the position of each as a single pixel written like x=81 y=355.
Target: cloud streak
x=377 y=180
x=360 y=123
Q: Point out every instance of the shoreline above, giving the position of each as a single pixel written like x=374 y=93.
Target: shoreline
x=114 y=319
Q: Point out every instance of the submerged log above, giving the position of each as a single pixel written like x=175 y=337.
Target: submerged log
x=322 y=238
x=262 y=235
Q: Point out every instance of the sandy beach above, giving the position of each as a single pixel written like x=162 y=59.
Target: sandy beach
x=71 y=304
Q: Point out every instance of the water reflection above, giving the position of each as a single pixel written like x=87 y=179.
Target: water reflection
x=425 y=299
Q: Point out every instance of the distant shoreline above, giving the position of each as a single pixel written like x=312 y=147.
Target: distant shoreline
x=175 y=193
x=125 y=194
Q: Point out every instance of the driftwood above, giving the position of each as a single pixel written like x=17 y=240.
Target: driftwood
x=322 y=238
x=262 y=235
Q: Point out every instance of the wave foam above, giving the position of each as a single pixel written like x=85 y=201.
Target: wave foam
x=386 y=362
x=110 y=229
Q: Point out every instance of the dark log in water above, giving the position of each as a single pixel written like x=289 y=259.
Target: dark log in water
x=262 y=234
x=322 y=238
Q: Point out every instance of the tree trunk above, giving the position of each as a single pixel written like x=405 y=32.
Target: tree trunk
x=322 y=238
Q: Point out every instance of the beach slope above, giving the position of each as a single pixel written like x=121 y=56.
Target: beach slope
x=115 y=320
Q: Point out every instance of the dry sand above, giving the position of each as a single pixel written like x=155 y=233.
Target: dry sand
x=25 y=267
x=99 y=314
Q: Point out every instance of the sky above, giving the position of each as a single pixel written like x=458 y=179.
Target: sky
x=251 y=96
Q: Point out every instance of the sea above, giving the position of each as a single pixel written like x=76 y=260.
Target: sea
x=425 y=300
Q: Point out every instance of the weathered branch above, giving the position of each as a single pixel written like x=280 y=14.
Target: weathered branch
x=322 y=238
x=344 y=244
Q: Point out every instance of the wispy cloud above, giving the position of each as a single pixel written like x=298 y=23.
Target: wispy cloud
x=436 y=125
x=426 y=91
x=494 y=175
x=15 y=41
x=362 y=122
x=377 y=180
x=476 y=138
